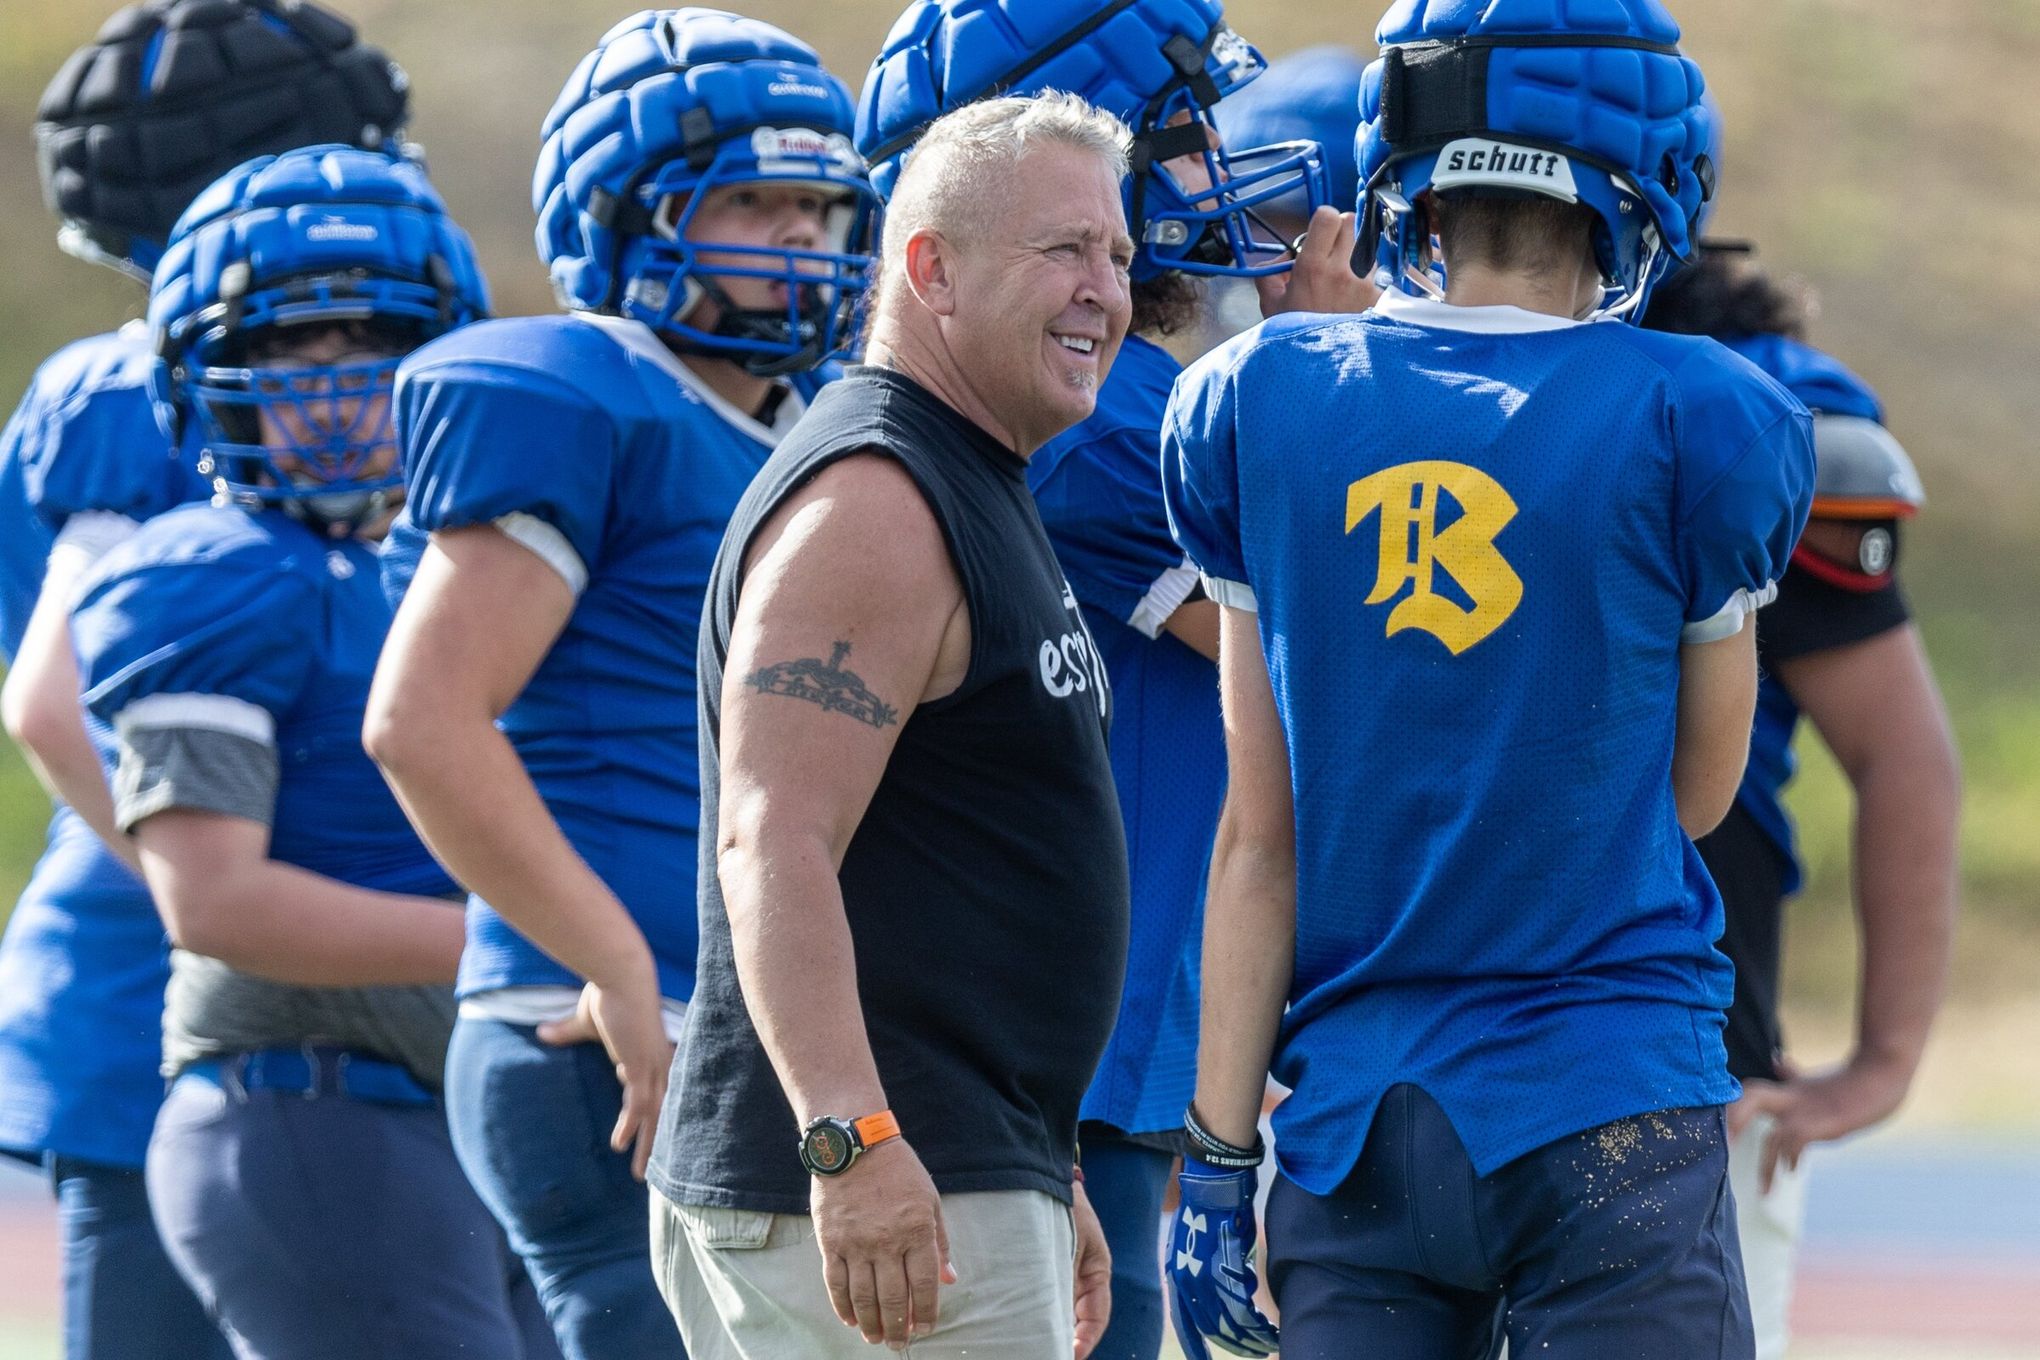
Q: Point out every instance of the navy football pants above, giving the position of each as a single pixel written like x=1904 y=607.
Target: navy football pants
x=1618 y=1243
x=333 y=1228
x=1126 y=1183
x=123 y=1300
x=531 y=1123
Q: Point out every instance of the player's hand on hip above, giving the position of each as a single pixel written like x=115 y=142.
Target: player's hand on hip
x=1211 y=1265
x=884 y=1247
x=1322 y=279
x=1817 y=1107
x=630 y=1022
x=1093 y=1272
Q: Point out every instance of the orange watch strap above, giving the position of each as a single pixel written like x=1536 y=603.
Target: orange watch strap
x=878 y=1128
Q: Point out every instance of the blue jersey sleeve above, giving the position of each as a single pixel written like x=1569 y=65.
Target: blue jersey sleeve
x=402 y=549
x=1821 y=381
x=1102 y=505
x=1746 y=474
x=1200 y=477
x=495 y=443
x=102 y=451
x=222 y=645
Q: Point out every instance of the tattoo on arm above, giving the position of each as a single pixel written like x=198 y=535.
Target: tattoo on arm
x=828 y=684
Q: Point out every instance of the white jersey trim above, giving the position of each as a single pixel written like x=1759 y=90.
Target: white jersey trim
x=95 y=533
x=1164 y=598
x=1416 y=311
x=545 y=1005
x=549 y=544
x=212 y=712
x=1232 y=594
x=644 y=342
x=1727 y=621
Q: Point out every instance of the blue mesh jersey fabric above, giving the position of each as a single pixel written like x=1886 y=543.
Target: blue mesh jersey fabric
x=1475 y=570
x=1099 y=489
x=582 y=425
x=84 y=962
x=260 y=611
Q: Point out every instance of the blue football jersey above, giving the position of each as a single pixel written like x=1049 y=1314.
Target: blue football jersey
x=84 y=961
x=586 y=440
x=255 y=624
x=1827 y=387
x=1099 y=489
x=1476 y=539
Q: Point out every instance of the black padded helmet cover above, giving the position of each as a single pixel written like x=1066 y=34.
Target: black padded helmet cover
x=174 y=93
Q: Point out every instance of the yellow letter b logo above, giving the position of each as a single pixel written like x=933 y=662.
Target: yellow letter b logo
x=1413 y=548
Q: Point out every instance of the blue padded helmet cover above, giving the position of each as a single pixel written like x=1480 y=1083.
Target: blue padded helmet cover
x=327 y=234
x=669 y=96
x=1145 y=62
x=324 y=231
x=1623 y=105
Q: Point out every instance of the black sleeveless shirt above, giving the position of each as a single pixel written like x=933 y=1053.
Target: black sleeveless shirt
x=986 y=888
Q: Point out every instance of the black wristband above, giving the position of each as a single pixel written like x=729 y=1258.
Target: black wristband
x=1209 y=1147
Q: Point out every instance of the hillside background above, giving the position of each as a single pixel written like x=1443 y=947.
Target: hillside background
x=1877 y=149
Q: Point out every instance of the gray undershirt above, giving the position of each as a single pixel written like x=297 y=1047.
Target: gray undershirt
x=212 y=1010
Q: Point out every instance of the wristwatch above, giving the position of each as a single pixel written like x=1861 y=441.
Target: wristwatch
x=829 y=1146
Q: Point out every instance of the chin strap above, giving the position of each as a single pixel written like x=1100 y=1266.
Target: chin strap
x=756 y=325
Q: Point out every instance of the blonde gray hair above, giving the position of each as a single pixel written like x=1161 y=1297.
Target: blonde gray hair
x=955 y=175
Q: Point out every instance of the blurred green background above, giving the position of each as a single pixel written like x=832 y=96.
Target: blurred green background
x=1876 y=149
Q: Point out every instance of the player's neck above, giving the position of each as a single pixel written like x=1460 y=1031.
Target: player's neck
x=1568 y=293
x=744 y=390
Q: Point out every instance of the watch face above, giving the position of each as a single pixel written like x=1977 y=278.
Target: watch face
x=828 y=1150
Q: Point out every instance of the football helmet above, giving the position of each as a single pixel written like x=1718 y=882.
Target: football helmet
x=1312 y=95
x=1150 y=62
x=669 y=107
x=328 y=235
x=1596 y=106
x=172 y=94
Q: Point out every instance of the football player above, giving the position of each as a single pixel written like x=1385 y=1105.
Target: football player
x=301 y=1169
x=1486 y=573
x=1194 y=209
x=169 y=96
x=1840 y=647
x=705 y=219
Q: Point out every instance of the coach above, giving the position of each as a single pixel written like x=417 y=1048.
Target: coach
x=913 y=922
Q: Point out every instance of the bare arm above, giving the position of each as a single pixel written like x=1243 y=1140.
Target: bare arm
x=45 y=716
x=221 y=895
x=827 y=572
x=850 y=575
x=479 y=617
x=1877 y=707
x=1250 y=907
x=1717 y=703
x=1195 y=625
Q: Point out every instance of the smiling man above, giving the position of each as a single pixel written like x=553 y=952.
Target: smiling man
x=914 y=885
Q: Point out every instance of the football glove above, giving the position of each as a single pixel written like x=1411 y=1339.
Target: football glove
x=1210 y=1264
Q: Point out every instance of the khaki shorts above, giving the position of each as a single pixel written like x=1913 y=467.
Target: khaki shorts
x=746 y=1285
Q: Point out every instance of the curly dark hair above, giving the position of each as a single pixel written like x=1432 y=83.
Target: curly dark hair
x=1166 y=304
x=1724 y=292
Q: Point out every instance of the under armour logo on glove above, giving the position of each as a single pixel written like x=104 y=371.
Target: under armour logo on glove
x=1211 y=1270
